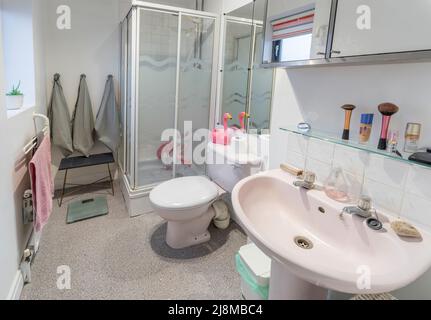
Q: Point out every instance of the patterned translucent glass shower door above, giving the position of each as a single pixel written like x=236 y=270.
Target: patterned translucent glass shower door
x=158 y=42
x=194 y=90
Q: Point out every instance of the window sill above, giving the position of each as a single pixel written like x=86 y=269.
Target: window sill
x=14 y=113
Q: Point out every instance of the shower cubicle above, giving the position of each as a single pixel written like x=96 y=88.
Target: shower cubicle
x=167 y=78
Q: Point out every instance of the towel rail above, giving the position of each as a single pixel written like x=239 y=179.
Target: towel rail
x=45 y=130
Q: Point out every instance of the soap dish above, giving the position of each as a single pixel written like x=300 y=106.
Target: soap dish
x=404 y=229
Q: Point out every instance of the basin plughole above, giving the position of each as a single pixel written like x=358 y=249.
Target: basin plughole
x=313 y=248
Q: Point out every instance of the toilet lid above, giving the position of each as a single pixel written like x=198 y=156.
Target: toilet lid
x=180 y=193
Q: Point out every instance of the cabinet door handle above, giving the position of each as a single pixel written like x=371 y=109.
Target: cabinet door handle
x=320 y=53
x=336 y=52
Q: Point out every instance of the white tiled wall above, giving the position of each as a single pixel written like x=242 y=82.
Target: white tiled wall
x=398 y=187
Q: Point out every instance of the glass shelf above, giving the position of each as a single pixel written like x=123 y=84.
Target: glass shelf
x=369 y=147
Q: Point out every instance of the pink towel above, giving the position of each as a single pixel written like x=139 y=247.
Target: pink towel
x=41 y=183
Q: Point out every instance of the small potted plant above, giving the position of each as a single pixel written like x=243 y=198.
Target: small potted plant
x=15 y=98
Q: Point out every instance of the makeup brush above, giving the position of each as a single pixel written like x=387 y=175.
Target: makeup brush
x=387 y=110
x=349 y=110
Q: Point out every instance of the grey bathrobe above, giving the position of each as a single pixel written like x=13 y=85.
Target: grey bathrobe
x=107 y=120
x=83 y=120
x=59 y=117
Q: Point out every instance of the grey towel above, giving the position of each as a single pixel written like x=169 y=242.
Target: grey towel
x=59 y=117
x=107 y=120
x=83 y=120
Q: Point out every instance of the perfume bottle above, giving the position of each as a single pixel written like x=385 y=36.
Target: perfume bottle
x=336 y=186
x=393 y=143
x=413 y=134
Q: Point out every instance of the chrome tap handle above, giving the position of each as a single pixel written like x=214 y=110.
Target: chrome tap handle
x=310 y=177
x=365 y=203
x=307 y=181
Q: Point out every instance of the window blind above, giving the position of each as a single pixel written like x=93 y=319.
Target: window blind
x=293 y=25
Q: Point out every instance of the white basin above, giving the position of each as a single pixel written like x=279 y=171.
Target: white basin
x=346 y=256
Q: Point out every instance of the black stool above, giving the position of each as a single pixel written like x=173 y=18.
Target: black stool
x=82 y=162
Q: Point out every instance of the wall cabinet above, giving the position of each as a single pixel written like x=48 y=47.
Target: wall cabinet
x=364 y=27
x=343 y=31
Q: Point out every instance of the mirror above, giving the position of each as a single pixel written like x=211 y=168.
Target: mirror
x=262 y=78
x=237 y=44
x=296 y=30
x=246 y=87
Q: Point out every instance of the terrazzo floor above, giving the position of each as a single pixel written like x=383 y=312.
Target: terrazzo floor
x=117 y=257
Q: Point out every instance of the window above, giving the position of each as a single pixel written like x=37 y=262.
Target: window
x=17 y=45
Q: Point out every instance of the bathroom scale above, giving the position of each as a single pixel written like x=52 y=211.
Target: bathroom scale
x=87 y=209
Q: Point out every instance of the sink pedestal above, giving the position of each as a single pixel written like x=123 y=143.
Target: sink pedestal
x=284 y=285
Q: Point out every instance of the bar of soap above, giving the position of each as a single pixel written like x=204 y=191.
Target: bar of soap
x=404 y=229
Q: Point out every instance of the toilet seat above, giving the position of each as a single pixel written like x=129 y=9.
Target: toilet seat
x=184 y=193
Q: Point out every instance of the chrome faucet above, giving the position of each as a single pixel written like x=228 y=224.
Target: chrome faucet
x=363 y=209
x=308 y=181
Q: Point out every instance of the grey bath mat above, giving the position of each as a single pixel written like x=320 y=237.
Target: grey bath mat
x=87 y=209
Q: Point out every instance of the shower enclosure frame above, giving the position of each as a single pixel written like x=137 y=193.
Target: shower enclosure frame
x=137 y=194
x=254 y=25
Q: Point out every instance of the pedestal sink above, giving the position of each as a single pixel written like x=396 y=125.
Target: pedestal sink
x=313 y=248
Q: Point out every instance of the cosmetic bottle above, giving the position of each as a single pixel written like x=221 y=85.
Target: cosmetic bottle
x=393 y=143
x=365 y=128
x=413 y=133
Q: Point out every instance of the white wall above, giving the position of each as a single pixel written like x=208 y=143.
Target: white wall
x=316 y=94
x=92 y=47
x=13 y=169
x=39 y=58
